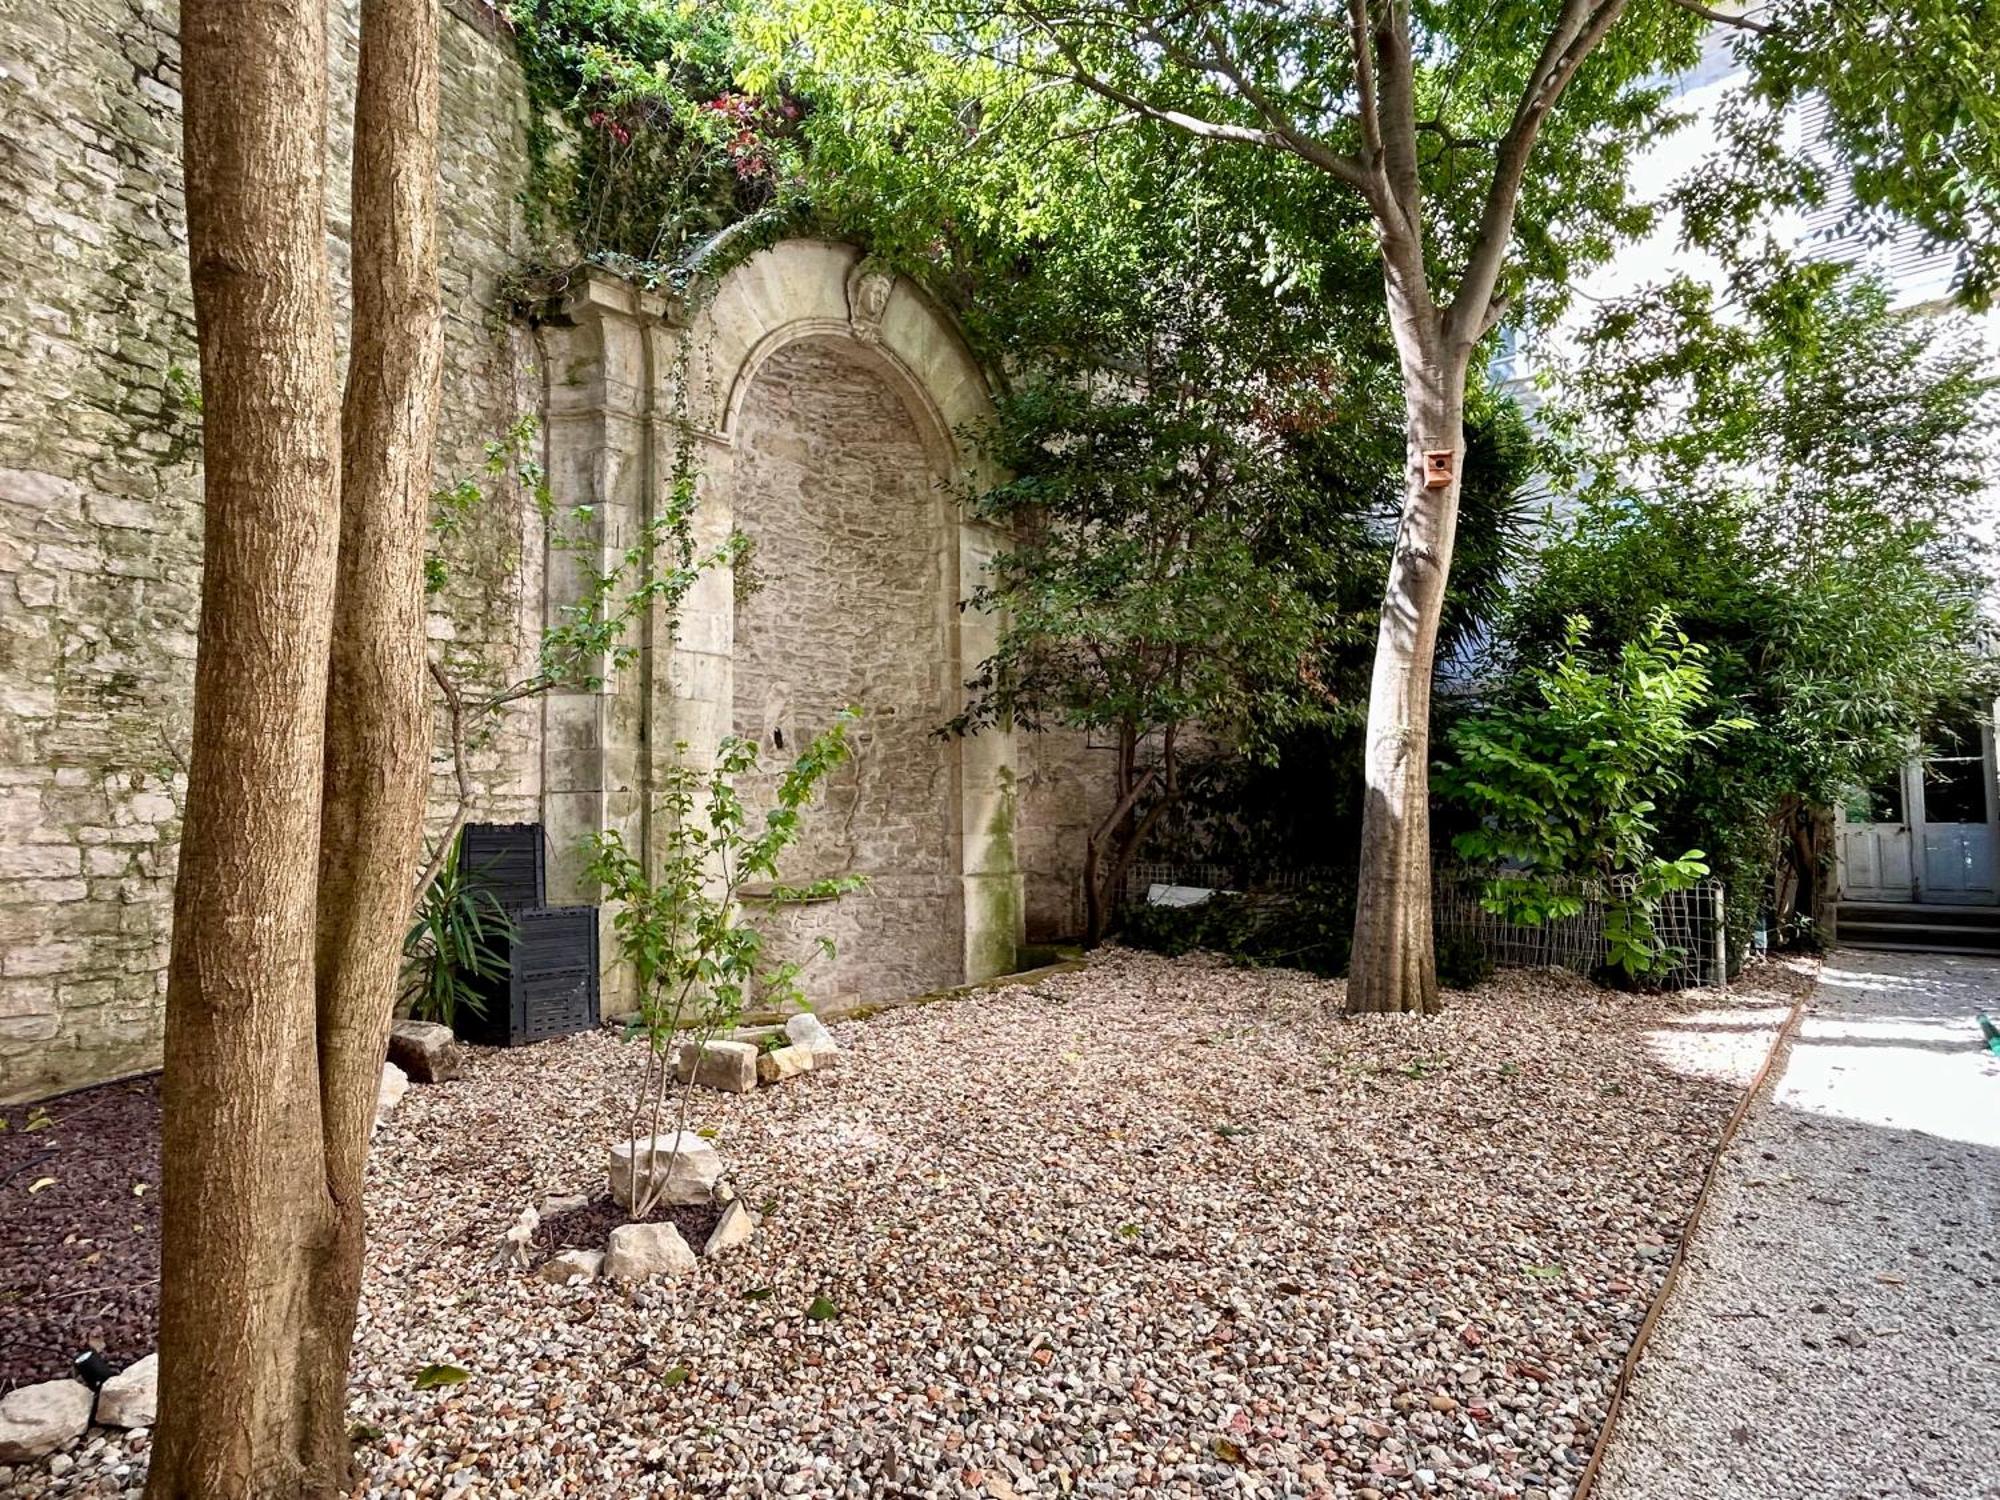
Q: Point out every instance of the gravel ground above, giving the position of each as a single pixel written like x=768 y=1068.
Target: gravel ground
x=1151 y=1228
x=1836 y=1333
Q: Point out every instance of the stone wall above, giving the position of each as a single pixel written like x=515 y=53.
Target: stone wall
x=100 y=519
x=828 y=399
x=835 y=445
x=1068 y=787
x=844 y=603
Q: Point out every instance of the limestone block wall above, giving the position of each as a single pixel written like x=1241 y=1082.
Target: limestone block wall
x=1067 y=788
x=844 y=602
x=100 y=518
x=828 y=399
x=805 y=349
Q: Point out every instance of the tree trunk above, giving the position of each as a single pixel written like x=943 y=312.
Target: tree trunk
x=377 y=761
x=1097 y=890
x=243 y=1208
x=307 y=783
x=1394 y=966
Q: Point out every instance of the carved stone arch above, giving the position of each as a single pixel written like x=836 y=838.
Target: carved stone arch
x=610 y=363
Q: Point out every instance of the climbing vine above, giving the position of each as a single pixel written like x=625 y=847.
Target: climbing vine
x=644 y=150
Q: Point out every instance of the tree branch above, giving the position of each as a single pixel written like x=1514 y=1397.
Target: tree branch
x=1456 y=142
x=1574 y=37
x=1281 y=134
x=1724 y=18
x=1364 y=79
x=1301 y=143
x=455 y=713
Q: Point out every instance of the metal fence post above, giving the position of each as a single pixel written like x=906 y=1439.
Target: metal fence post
x=1717 y=907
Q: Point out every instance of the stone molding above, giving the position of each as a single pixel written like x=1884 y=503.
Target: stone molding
x=610 y=426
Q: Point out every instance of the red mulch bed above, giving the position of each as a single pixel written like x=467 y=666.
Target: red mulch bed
x=79 y=1230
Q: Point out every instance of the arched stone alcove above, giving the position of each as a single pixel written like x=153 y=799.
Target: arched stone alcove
x=828 y=402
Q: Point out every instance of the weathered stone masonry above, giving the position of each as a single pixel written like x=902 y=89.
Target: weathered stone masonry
x=830 y=402
x=838 y=399
x=100 y=522
x=833 y=495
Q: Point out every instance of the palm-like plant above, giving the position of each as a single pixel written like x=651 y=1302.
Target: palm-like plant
x=457 y=944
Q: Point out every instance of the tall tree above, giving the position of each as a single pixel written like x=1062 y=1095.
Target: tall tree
x=281 y=979
x=377 y=758
x=1441 y=123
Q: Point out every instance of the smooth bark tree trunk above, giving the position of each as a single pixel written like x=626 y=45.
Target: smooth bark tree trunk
x=377 y=761
x=242 y=1200
x=1394 y=964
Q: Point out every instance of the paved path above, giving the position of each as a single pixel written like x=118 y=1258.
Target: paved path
x=1836 y=1331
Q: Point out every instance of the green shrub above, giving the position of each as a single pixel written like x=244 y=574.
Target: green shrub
x=1310 y=929
x=1565 y=777
x=456 y=947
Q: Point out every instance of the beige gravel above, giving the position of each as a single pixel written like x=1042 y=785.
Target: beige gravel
x=1836 y=1332
x=1152 y=1228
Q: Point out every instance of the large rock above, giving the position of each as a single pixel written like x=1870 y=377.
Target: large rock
x=636 y=1251
x=38 y=1419
x=573 y=1265
x=806 y=1030
x=784 y=1062
x=425 y=1050
x=389 y=1093
x=730 y=1067
x=131 y=1398
x=731 y=1230
x=690 y=1177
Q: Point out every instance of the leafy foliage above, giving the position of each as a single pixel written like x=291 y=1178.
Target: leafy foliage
x=944 y=110
x=1909 y=125
x=659 y=149
x=457 y=946
x=1796 y=472
x=683 y=924
x=1565 y=781
x=1203 y=446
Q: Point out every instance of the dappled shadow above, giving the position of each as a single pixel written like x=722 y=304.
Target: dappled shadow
x=1829 y=1336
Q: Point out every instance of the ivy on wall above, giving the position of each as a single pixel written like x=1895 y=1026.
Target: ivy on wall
x=645 y=155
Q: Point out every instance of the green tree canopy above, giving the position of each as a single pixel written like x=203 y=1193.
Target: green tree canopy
x=1801 y=476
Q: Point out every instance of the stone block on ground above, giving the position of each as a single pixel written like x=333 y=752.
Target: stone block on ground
x=690 y=1163
x=517 y=1244
x=572 y=1266
x=637 y=1251
x=784 y=1063
x=730 y=1067
x=732 y=1229
x=131 y=1398
x=35 y=1420
x=426 y=1051
x=395 y=1083
x=808 y=1031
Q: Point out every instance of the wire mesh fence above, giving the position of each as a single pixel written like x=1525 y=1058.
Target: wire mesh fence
x=1689 y=923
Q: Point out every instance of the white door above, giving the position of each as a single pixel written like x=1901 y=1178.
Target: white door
x=1957 y=817
x=1876 y=844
